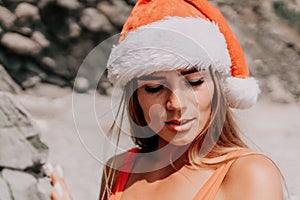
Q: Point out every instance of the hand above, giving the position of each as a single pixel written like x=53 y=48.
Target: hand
x=59 y=189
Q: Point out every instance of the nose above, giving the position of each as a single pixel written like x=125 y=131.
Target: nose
x=173 y=103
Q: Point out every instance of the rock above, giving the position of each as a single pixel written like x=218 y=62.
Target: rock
x=293 y=5
x=44 y=188
x=69 y=4
x=81 y=85
x=62 y=67
x=14 y=2
x=73 y=65
x=7 y=18
x=116 y=11
x=278 y=92
x=40 y=149
x=20 y=146
x=229 y=13
x=20 y=44
x=31 y=81
x=94 y=21
x=49 y=62
x=44 y=3
x=82 y=48
x=28 y=74
x=22 y=185
x=13 y=114
x=34 y=68
x=56 y=80
x=75 y=30
x=249 y=16
x=26 y=13
x=259 y=68
x=7 y=83
x=25 y=31
x=38 y=37
x=4 y=190
x=14 y=149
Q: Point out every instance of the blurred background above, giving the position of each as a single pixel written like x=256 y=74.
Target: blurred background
x=43 y=48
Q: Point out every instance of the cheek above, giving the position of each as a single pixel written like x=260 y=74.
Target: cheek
x=207 y=95
x=155 y=116
x=204 y=109
x=154 y=112
x=204 y=101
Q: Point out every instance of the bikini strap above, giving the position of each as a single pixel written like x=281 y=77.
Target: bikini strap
x=211 y=187
x=125 y=171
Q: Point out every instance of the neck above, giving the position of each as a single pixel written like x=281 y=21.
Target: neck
x=170 y=154
x=166 y=158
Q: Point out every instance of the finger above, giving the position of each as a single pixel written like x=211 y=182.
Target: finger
x=59 y=171
x=57 y=175
x=57 y=192
x=48 y=168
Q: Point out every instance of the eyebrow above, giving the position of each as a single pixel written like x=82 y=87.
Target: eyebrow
x=189 y=71
x=149 y=77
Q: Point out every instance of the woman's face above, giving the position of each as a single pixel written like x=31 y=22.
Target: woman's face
x=176 y=104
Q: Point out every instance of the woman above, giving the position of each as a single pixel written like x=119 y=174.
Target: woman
x=182 y=69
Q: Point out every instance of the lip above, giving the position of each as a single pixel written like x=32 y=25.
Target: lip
x=179 y=125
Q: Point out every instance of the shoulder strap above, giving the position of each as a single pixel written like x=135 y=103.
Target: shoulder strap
x=211 y=187
x=124 y=173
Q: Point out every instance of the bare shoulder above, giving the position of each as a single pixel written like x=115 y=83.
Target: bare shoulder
x=114 y=164
x=116 y=161
x=253 y=177
x=110 y=174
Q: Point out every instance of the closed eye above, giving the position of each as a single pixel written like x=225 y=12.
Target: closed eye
x=197 y=82
x=153 y=88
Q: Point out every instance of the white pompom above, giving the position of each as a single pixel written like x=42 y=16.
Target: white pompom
x=241 y=93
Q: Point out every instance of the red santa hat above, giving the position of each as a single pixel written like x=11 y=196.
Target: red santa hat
x=163 y=35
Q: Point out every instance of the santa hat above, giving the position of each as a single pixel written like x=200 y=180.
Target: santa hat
x=163 y=35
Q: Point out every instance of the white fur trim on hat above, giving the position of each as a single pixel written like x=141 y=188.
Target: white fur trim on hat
x=177 y=43
x=241 y=93
x=170 y=44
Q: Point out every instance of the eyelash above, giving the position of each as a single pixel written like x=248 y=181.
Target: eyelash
x=196 y=83
x=153 y=89
x=160 y=87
